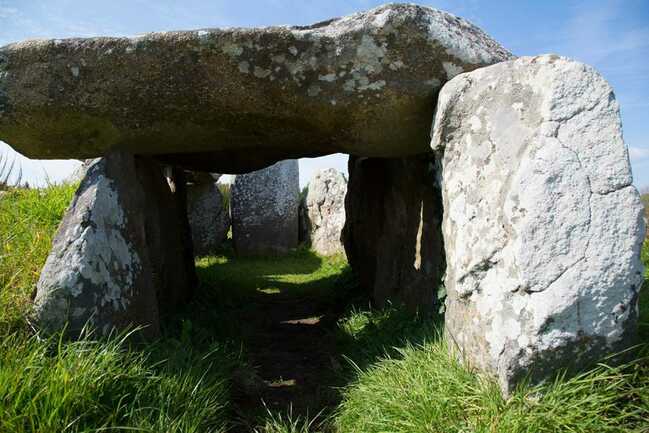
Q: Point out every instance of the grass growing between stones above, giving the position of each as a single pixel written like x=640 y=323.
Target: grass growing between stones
x=89 y=386
x=371 y=370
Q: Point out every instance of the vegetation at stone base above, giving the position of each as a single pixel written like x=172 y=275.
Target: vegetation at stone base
x=419 y=387
x=28 y=221
x=393 y=370
x=56 y=386
x=51 y=386
x=424 y=389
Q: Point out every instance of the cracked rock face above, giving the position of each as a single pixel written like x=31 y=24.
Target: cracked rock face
x=236 y=100
x=264 y=208
x=117 y=258
x=209 y=219
x=542 y=226
x=325 y=211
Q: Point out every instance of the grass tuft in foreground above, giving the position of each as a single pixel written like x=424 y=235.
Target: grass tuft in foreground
x=51 y=386
x=88 y=386
x=419 y=387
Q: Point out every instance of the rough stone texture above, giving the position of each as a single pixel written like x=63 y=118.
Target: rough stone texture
x=325 y=211
x=118 y=257
x=80 y=172
x=237 y=100
x=304 y=225
x=264 y=209
x=542 y=225
x=209 y=218
x=392 y=234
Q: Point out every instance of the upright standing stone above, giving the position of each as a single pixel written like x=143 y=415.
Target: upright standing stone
x=118 y=258
x=392 y=233
x=80 y=172
x=542 y=225
x=264 y=208
x=325 y=211
x=209 y=217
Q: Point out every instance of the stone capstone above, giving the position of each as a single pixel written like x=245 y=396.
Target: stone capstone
x=119 y=256
x=542 y=225
x=264 y=208
x=209 y=217
x=392 y=232
x=236 y=100
x=324 y=210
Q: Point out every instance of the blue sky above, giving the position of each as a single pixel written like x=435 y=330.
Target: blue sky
x=613 y=36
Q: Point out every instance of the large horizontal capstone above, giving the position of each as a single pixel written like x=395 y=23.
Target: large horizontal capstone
x=240 y=98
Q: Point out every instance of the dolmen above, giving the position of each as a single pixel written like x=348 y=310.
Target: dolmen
x=519 y=200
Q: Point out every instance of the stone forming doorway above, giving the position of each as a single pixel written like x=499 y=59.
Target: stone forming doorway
x=285 y=310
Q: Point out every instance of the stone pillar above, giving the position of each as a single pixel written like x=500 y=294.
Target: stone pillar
x=264 y=207
x=209 y=217
x=392 y=233
x=119 y=257
x=542 y=225
x=323 y=212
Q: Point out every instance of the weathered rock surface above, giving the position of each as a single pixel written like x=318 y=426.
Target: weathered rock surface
x=118 y=258
x=209 y=218
x=542 y=225
x=80 y=172
x=325 y=211
x=264 y=208
x=236 y=100
x=392 y=233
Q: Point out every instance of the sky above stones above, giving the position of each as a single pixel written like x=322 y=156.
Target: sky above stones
x=611 y=35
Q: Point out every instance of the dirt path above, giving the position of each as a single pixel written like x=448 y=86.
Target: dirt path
x=293 y=349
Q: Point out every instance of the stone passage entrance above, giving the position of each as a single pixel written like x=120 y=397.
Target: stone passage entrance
x=541 y=226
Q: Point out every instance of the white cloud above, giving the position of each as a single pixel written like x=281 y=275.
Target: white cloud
x=7 y=12
x=638 y=153
x=38 y=172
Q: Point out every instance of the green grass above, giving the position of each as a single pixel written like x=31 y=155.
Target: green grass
x=425 y=389
x=419 y=386
x=28 y=221
x=395 y=369
x=300 y=273
x=87 y=386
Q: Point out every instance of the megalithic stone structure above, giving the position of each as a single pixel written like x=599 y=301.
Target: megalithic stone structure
x=542 y=226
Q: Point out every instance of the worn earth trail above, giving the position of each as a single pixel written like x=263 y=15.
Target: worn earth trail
x=292 y=344
x=282 y=315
